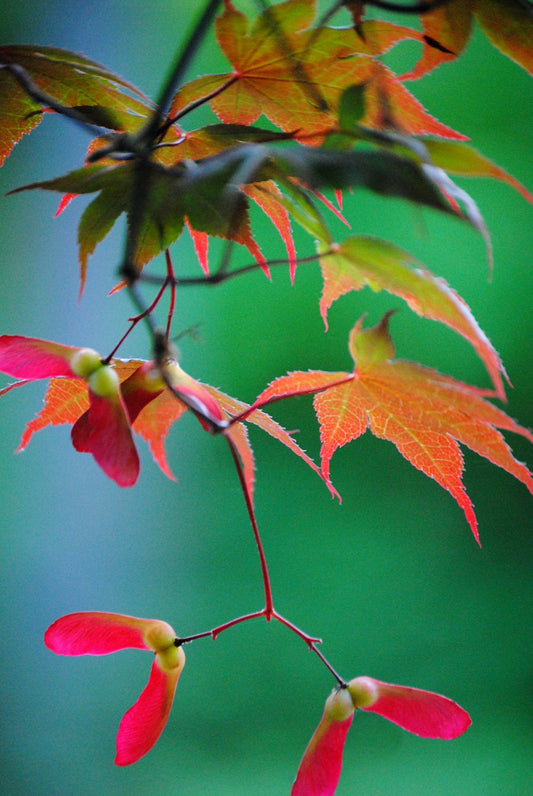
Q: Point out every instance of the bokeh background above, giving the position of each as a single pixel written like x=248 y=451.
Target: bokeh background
x=391 y=579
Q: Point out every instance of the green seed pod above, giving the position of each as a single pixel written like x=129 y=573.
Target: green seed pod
x=160 y=636
x=339 y=705
x=104 y=382
x=85 y=362
x=363 y=691
x=170 y=659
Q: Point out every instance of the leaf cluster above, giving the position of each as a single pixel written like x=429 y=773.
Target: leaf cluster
x=344 y=120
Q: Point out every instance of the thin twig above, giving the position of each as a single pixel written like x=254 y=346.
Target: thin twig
x=217 y=277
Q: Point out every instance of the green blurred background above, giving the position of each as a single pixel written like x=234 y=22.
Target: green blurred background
x=391 y=579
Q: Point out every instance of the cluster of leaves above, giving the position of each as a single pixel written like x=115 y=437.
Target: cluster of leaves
x=338 y=118
x=351 y=121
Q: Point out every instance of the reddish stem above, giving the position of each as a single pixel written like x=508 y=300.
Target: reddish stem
x=220 y=629
x=309 y=640
x=171 y=280
x=269 y=607
x=269 y=612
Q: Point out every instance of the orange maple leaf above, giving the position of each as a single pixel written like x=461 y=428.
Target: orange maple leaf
x=425 y=414
x=295 y=74
x=362 y=260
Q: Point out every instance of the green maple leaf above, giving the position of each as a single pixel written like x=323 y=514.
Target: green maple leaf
x=99 y=96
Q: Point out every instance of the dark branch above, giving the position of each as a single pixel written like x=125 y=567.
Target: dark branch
x=218 y=276
x=411 y=8
x=193 y=42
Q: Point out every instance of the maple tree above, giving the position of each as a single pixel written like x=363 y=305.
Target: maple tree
x=334 y=118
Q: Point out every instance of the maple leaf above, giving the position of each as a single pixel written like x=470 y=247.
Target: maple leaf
x=450 y=25
x=99 y=633
x=212 y=140
x=363 y=260
x=508 y=24
x=420 y=712
x=210 y=194
x=268 y=197
x=206 y=199
x=100 y=216
x=157 y=417
x=97 y=95
x=179 y=144
x=295 y=75
x=457 y=157
x=424 y=413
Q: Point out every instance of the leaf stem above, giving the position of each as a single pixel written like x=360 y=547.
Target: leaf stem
x=198 y=103
x=274 y=398
x=146 y=312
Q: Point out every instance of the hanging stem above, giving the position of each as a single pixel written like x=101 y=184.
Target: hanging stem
x=268 y=611
x=170 y=280
x=146 y=312
x=269 y=606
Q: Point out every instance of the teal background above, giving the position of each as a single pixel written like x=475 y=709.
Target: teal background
x=392 y=579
